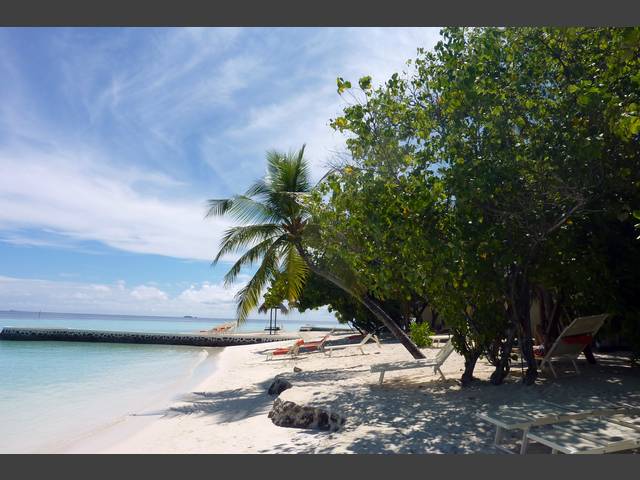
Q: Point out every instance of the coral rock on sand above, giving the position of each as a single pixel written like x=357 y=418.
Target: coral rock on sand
x=278 y=386
x=297 y=369
x=286 y=413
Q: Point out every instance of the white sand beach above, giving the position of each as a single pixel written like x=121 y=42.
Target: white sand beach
x=414 y=411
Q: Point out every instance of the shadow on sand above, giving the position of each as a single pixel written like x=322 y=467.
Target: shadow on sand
x=410 y=415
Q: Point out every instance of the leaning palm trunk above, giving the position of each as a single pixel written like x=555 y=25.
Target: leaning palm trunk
x=276 y=225
x=368 y=302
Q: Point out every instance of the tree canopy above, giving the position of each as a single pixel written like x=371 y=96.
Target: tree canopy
x=499 y=171
x=501 y=163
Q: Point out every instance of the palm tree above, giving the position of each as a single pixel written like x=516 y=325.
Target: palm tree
x=275 y=218
x=276 y=223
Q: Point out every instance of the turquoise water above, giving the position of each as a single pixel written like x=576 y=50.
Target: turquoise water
x=138 y=323
x=52 y=393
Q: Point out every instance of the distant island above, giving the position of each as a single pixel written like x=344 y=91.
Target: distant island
x=189 y=316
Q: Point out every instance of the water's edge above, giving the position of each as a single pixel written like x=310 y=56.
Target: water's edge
x=101 y=440
x=116 y=429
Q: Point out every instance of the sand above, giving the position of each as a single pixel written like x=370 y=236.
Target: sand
x=414 y=411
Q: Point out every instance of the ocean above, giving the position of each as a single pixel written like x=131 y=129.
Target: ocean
x=53 y=394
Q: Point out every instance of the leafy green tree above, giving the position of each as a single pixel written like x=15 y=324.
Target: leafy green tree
x=538 y=130
x=318 y=292
x=393 y=224
x=280 y=237
x=421 y=334
x=276 y=293
x=522 y=135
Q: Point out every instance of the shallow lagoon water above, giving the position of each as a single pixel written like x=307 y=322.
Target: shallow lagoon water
x=53 y=393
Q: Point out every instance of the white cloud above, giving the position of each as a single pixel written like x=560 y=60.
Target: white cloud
x=88 y=200
x=213 y=293
x=205 y=299
x=100 y=288
x=72 y=179
x=163 y=73
x=117 y=298
x=145 y=292
x=117 y=151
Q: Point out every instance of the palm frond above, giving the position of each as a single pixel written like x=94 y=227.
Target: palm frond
x=242 y=208
x=250 y=257
x=218 y=207
x=296 y=272
x=302 y=177
x=248 y=296
x=291 y=179
x=237 y=238
x=274 y=160
x=272 y=208
x=260 y=188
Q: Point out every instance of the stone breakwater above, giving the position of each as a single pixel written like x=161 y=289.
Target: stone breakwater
x=191 y=339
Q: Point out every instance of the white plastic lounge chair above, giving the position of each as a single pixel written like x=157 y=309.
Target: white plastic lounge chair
x=440 y=338
x=572 y=341
x=300 y=346
x=435 y=362
x=315 y=345
x=589 y=435
x=525 y=416
x=291 y=351
x=369 y=336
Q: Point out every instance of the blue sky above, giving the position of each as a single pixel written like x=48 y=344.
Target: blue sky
x=112 y=139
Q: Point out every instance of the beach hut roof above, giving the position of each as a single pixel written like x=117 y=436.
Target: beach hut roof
x=264 y=309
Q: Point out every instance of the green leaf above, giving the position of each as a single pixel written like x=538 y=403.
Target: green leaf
x=342 y=85
x=365 y=83
x=572 y=88
x=634 y=125
x=583 y=100
x=341 y=123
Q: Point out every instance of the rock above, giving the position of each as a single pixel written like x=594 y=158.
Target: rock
x=278 y=386
x=297 y=369
x=285 y=413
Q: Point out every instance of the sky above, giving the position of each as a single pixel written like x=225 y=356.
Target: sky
x=112 y=140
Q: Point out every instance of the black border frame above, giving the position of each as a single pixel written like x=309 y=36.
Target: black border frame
x=321 y=13
x=325 y=13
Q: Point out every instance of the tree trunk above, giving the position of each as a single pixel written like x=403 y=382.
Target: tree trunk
x=552 y=331
x=526 y=350
x=369 y=303
x=588 y=353
x=393 y=327
x=543 y=297
x=493 y=352
x=470 y=359
x=435 y=326
x=520 y=295
x=502 y=368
